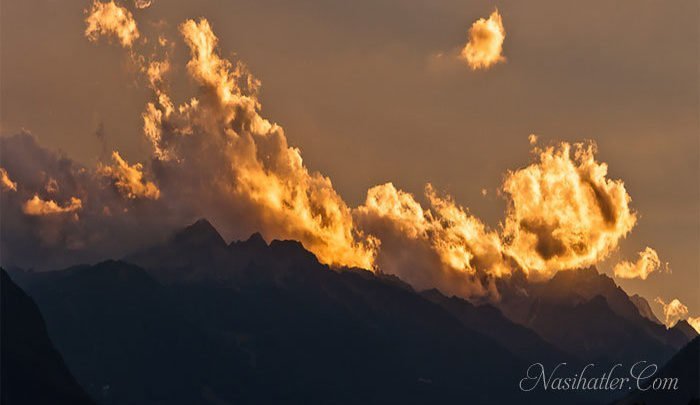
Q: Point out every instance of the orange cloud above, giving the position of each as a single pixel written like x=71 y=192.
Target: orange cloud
x=38 y=207
x=5 y=182
x=109 y=19
x=675 y=311
x=694 y=322
x=647 y=263
x=450 y=247
x=485 y=46
x=249 y=166
x=129 y=179
x=141 y=4
x=563 y=211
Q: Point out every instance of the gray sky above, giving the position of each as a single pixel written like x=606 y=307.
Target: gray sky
x=360 y=88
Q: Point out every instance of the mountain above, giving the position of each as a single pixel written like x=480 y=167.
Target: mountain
x=32 y=371
x=585 y=312
x=489 y=320
x=644 y=308
x=683 y=367
x=251 y=322
x=197 y=320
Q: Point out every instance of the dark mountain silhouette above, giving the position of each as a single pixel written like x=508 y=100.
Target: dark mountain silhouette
x=683 y=366
x=195 y=320
x=644 y=308
x=258 y=323
x=684 y=327
x=32 y=371
x=584 y=312
x=488 y=320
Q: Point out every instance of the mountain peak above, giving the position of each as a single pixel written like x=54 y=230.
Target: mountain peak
x=202 y=232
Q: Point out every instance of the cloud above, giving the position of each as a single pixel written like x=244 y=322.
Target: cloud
x=563 y=212
x=129 y=180
x=647 y=263
x=439 y=246
x=215 y=155
x=675 y=311
x=141 y=4
x=37 y=206
x=254 y=179
x=5 y=182
x=485 y=46
x=57 y=217
x=109 y=19
x=694 y=322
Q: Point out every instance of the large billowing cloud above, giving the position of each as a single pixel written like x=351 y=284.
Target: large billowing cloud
x=647 y=263
x=485 y=45
x=254 y=179
x=440 y=246
x=563 y=211
x=215 y=155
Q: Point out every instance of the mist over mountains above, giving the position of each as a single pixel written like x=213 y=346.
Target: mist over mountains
x=197 y=320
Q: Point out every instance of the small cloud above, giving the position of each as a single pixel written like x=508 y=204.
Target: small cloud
x=675 y=311
x=141 y=4
x=532 y=138
x=129 y=179
x=38 y=207
x=5 y=182
x=485 y=46
x=647 y=263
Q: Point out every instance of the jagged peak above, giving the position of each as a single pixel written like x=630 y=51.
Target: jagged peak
x=200 y=232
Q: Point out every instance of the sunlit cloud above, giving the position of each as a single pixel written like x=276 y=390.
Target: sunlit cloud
x=250 y=168
x=695 y=323
x=675 y=311
x=485 y=46
x=129 y=179
x=563 y=211
x=647 y=263
x=141 y=4
x=109 y=19
x=5 y=182
x=439 y=246
x=215 y=155
x=38 y=207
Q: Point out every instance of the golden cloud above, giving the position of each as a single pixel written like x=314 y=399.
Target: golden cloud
x=675 y=311
x=485 y=45
x=5 y=182
x=647 y=263
x=129 y=179
x=215 y=155
x=109 y=19
x=248 y=159
x=454 y=245
x=695 y=323
x=38 y=207
x=141 y=4
x=563 y=212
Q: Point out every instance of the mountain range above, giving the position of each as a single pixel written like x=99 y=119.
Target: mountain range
x=197 y=320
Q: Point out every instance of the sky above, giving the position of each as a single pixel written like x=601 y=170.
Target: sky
x=373 y=91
